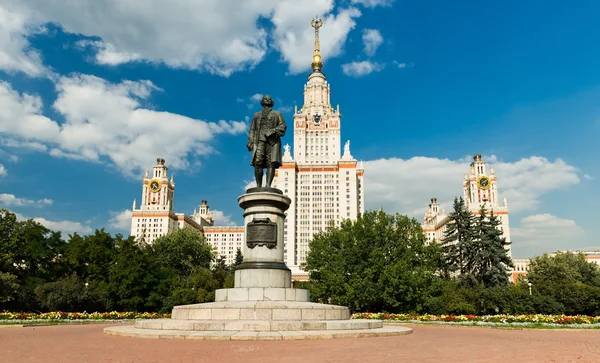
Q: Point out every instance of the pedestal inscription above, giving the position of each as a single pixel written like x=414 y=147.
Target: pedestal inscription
x=261 y=232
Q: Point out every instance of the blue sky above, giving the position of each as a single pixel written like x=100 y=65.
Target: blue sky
x=91 y=95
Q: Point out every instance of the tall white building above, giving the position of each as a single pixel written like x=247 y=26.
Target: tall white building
x=479 y=188
x=324 y=183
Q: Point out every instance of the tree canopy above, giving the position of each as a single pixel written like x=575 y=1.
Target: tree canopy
x=379 y=262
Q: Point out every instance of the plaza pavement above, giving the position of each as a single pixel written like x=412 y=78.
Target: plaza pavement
x=427 y=344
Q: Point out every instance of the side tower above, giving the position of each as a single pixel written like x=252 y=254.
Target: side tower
x=481 y=188
x=155 y=216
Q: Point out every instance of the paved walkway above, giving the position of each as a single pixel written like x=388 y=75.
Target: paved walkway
x=435 y=344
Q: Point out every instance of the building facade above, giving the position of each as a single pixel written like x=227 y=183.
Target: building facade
x=156 y=216
x=479 y=188
x=325 y=184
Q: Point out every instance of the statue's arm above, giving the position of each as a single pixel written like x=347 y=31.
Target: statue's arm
x=281 y=126
x=252 y=130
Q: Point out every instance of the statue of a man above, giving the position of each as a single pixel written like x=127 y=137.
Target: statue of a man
x=264 y=140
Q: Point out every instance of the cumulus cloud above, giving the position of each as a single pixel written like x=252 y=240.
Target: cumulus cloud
x=3 y=171
x=405 y=186
x=372 y=39
x=373 y=3
x=10 y=200
x=547 y=233
x=209 y=35
x=222 y=219
x=120 y=220
x=106 y=120
x=363 y=68
x=16 y=54
x=65 y=227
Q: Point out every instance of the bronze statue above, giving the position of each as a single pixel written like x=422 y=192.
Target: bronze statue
x=264 y=140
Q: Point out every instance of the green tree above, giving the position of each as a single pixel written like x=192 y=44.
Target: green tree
x=239 y=258
x=182 y=262
x=379 y=262
x=91 y=257
x=132 y=276
x=72 y=293
x=490 y=260
x=30 y=255
x=569 y=279
x=9 y=287
x=458 y=240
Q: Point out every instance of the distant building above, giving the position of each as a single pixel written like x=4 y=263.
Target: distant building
x=324 y=185
x=226 y=240
x=479 y=189
x=156 y=217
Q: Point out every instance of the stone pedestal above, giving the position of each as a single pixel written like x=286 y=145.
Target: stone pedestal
x=264 y=217
x=261 y=306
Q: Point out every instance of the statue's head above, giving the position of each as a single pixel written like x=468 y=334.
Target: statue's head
x=267 y=101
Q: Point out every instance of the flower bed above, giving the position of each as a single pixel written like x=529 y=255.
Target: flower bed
x=60 y=315
x=527 y=319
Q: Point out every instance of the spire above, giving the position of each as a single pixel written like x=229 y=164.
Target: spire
x=317 y=64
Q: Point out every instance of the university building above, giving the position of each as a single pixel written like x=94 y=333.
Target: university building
x=156 y=216
x=479 y=188
x=324 y=183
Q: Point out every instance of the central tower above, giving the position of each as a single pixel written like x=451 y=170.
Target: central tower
x=324 y=183
x=317 y=124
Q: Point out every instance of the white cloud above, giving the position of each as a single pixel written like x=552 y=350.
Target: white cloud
x=222 y=219
x=372 y=39
x=120 y=220
x=16 y=54
x=406 y=186
x=209 y=36
x=3 y=171
x=249 y=184
x=107 y=120
x=373 y=3
x=358 y=69
x=22 y=144
x=588 y=177
x=549 y=232
x=65 y=227
x=9 y=200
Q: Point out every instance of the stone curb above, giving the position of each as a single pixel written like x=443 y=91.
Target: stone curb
x=131 y=331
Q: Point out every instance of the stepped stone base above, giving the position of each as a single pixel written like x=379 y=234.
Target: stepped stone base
x=262 y=294
x=258 y=320
x=131 y=331
x=257 y=325
x=260 y=310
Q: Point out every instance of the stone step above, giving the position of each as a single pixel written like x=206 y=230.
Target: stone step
x=257 y=325
x=131 y=331
x=262 y=294
x=260 y=310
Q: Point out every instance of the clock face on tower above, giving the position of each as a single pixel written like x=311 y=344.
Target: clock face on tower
x=154 y=185
x=483 y=182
